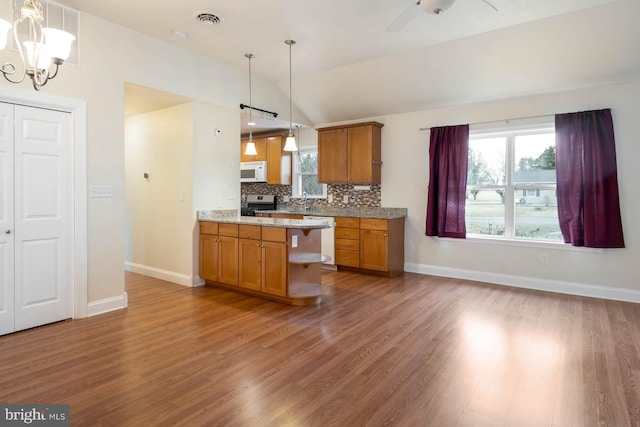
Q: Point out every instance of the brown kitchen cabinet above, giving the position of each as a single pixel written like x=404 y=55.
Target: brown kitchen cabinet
x=219 y=252
x=350 y=154
x=270 y=149
x=263 y=259
x=261 y=149
x=368 y=244
x=347 y=241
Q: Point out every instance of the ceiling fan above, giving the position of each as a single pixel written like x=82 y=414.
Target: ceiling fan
x=435 y=7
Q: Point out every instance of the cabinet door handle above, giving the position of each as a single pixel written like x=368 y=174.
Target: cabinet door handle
x=258 y=245
x=385 y=234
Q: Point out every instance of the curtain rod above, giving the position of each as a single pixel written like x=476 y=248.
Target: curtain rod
x=503 y=120
x=243 y=106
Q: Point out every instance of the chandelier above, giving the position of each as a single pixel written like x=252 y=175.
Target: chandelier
x=43 y=47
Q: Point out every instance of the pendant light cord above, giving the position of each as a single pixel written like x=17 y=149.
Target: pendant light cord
x=250 y=56
x=290 y=43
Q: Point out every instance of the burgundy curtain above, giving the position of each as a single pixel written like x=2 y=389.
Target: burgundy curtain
x=588 y=201
x=448 y=158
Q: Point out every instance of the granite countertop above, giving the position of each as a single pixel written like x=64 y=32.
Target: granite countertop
x=230 y=216
x=353 y=212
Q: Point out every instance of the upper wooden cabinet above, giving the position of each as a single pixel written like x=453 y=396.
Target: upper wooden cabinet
x=270 y=148
x=350 y=154
x=261 y=149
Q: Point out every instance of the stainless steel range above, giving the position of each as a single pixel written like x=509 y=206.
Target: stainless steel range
x=259 y=202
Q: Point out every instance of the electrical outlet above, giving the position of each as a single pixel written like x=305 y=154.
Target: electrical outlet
x=294 y=241
x=544 y=259
x=345 y=199
x=330 y=198
x=285 y=199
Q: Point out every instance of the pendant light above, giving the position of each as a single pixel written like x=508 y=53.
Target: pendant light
x=290 y=144
x=251 y=145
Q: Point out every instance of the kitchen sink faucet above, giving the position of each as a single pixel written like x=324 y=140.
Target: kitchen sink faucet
x=305 y=201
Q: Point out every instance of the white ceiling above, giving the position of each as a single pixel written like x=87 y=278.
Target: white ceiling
x=346 y=66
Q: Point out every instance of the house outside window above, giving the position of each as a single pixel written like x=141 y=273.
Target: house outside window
x=305 y=174
x=511 y=184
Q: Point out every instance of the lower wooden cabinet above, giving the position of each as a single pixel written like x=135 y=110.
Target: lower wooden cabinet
x=250 y=258
x=263 y=259
x=255 y=259
x=347 y=241
x=374 y=250
x=370 y=244
x=274 y=268
x=219 y=253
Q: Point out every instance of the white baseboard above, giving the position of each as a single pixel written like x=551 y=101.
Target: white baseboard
x=595 y=291
x=108 y=304
x=169 y=276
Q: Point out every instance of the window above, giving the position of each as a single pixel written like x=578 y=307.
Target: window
x=305 y=175
x=511 y=184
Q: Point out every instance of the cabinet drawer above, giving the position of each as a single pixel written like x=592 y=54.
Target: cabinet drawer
x=230 y=230
x=344 y=222
x=373 y=224
x=347 y=233
x=208 y=228
x=349 y=245
x=249 y=232
x=348 y=258
x=274 y=234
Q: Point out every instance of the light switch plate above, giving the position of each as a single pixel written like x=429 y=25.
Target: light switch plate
x=101 y=191
x=294 y=241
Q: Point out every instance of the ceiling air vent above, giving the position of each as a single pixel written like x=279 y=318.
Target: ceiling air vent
x=209 y=18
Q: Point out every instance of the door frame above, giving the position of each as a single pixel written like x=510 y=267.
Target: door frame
x=78 y=111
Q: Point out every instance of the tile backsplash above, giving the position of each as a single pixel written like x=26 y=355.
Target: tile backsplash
x=357 y=198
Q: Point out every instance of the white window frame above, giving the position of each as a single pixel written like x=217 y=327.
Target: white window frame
x=296 y=181
x=510 y=132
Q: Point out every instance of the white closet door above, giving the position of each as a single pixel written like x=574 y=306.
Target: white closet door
x=43 y=228
x=7 y=231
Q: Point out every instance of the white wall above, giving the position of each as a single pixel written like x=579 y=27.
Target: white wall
x=405 y=180
x=159 y=209
x=216 y=166
x=190 y=169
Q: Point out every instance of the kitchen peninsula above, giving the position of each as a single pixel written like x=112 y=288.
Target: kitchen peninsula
x=367 y=239
x=273 y=258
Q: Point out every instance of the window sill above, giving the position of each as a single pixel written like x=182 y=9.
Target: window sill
x=525 y=243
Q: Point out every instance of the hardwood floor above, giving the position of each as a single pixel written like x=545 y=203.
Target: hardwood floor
x=409 y=351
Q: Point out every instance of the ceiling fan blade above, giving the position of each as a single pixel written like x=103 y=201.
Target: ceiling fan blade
x=491 y=5
x=404 y=18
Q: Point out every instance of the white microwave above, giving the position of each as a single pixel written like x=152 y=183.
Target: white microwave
x=253 y=171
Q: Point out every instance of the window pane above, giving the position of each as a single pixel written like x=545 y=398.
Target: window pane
x=536 y=216
x=311 y=186
x=309 y=162
x=485 y=212
x=535 y=159
x=486 y=161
